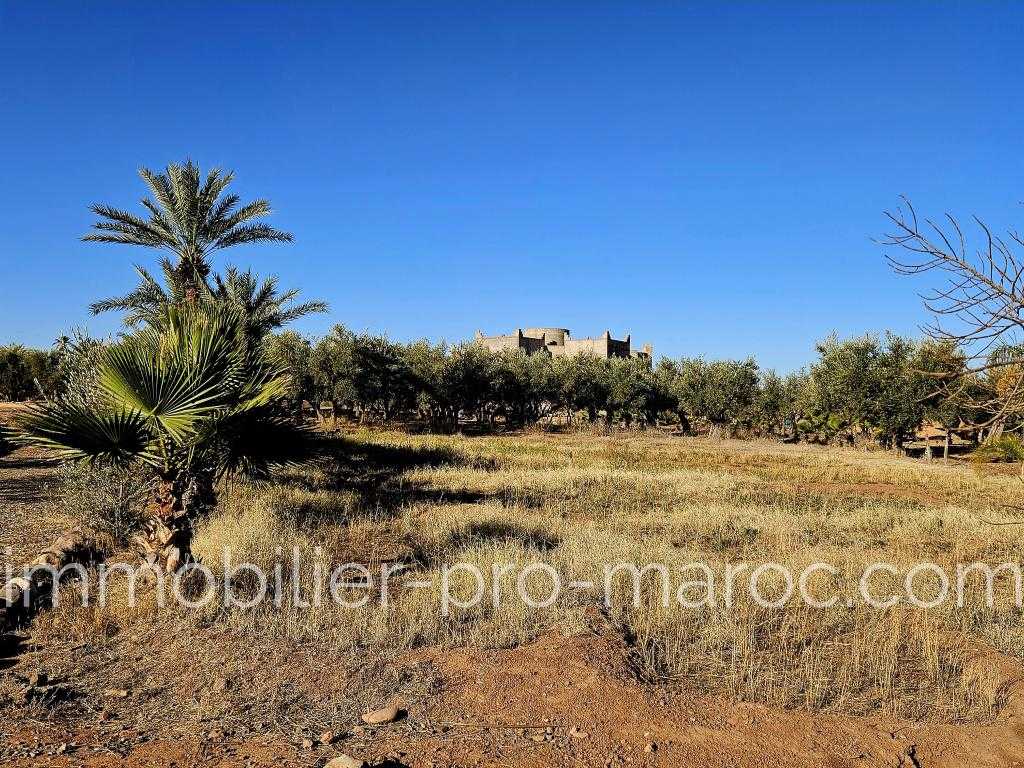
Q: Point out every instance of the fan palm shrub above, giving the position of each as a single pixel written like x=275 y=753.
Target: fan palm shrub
x=1005 y=448
x=191 y=400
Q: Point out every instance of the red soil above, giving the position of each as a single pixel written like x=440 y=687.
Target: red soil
x=573 y=702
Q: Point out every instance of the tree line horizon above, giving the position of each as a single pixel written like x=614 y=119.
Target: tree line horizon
x=878 y=386
x=874 y=386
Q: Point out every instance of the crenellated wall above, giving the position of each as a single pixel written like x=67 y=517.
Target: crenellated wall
x=558 y=342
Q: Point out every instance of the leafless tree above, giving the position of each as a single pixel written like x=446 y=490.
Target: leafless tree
x=980 y=306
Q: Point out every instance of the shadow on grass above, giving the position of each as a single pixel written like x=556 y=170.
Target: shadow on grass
x=11 y=647
x=375 y=473
x=25 y=461
x=25 y=490
x=482 y=534
x=501 y=531
x=25 y=477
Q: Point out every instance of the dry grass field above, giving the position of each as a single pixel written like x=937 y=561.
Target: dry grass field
x=584 y=681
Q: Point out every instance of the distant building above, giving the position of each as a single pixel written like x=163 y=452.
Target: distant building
x=557 y=342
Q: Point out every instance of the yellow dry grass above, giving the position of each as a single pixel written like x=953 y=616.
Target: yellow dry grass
x=579 y=502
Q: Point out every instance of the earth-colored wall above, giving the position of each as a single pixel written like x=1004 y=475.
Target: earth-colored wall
x=559 y=343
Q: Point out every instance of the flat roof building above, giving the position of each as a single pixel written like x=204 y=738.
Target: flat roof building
x=558 y=342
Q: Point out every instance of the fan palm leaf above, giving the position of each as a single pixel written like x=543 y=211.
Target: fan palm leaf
x=73 y=431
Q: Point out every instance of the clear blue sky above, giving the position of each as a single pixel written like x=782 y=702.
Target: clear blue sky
x=707 y=176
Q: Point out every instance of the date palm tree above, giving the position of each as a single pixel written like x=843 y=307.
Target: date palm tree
x=145 y=303
x=191 y=217
x=263 y=308
x=191 y=400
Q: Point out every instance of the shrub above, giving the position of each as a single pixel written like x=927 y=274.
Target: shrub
x=20 y=368
x=109 y=500
x=1008 y=448
x=76 y=363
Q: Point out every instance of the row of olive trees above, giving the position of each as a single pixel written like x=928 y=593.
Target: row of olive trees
x=862 y=388
x=21 y=367
x=866 y=388
x=439 y=384
x=26 y=372
x=881 y=389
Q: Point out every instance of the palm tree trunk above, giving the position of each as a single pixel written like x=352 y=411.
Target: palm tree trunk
x=165 y=542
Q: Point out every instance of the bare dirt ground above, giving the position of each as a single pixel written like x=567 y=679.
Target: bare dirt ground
x=29 y=523
x=557 y=701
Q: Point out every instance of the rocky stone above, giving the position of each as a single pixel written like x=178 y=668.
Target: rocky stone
x=14 y=588
x=328 y=737
x=44 y=695
x=345 y=761
x=307 y=743
x=382 y=716
x=222 y=684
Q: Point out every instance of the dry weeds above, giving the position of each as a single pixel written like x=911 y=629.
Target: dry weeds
x=576 y=502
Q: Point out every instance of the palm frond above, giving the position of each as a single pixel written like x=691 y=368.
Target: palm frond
x=251 y=442
x=117 y=240
x=216 y=182
x=218 y=212
x=122 y=226
x=184 y=181
x=124 y=218
x=291 y=314
x=263 y=308
x=267 y=293
x=176 y=374
x=254 y=210
x=158 y=219
x=144 y=238
x=144 y=304
x=77 y=432
x=252 y=233
x=287 y=297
